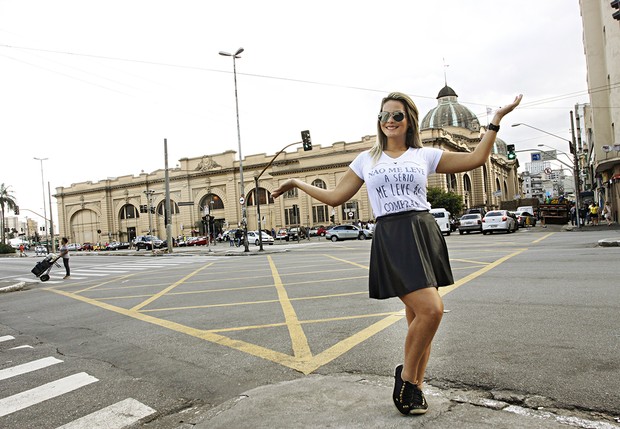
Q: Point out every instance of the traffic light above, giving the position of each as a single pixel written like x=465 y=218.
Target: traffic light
x=305 y=138
x=616 y=5
x=16 y=210
x=511 y=151
x=143 y=208
x=152 y=209
x=332 y=218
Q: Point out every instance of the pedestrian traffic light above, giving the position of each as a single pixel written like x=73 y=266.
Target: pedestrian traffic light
x=511 y=151
x=16 y=210
x=305 y=138
x=143 y=208
x=332 y=218
x=616 y=5
x=152 y=209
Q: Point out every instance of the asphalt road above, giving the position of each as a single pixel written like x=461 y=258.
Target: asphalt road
x=533 y=317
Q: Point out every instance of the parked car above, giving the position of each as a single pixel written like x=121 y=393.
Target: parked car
x=148 y=242
x=253 y=238
x=442 y=217
x=74 y=246
x=470 y=222
x=317 y=231
x=347 y=232
x=87 y=246
x=196 y=241
x=498 y=220
x=525 y=219
x=282 y=234
x=115 y=245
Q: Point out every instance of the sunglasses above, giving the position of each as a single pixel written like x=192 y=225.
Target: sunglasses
x=385 y=116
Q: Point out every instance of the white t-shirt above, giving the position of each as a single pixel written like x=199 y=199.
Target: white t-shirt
x=397 y=184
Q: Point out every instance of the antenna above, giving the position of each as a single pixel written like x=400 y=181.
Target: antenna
x=445 y=76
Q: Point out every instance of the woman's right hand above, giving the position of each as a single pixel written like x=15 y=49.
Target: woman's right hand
x=287 y=185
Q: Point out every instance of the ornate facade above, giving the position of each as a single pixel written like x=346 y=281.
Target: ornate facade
x=124 y=207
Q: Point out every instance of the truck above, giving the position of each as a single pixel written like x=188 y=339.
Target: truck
x=555 y=211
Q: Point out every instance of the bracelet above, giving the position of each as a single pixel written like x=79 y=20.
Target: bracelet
x=493 y=127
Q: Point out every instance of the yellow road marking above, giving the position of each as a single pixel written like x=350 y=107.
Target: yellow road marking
x=169 y=288
x=301 y=349
x=445 y=290
x=104 y=283
x=302 y=359
x=543 y=237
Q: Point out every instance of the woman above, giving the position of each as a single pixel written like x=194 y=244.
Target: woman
x=409 y=258
x=64 y=253
x=607 y=213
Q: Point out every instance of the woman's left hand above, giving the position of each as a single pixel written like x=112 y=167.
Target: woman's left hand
x=502 y=111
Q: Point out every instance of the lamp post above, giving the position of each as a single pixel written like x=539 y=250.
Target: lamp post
x=575 y=166
x=244 y=219
x=44 y=209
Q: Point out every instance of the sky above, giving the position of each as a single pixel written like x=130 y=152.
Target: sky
x=95 y=87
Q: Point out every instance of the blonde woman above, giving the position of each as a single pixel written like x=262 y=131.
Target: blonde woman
x=409 y=257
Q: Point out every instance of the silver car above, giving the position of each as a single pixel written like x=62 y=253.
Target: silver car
x=347 y=232
x=498 y=220
x=470 y=222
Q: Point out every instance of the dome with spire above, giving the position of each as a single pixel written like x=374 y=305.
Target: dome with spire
x=449 y=112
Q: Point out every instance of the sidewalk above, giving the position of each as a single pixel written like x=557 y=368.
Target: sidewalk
x=360 y=401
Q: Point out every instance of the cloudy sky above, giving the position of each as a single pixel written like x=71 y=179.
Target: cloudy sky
x=96 y=86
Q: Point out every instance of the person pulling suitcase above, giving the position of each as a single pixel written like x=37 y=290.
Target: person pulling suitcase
x=64 y=254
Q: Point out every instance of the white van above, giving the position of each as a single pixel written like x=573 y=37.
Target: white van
x=442 y=216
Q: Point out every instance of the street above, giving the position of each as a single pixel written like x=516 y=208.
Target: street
x=532 y=318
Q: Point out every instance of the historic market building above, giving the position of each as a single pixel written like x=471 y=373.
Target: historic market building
x=124 y=207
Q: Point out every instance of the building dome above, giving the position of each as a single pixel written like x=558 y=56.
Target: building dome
x=450 y=113
x=499 y=147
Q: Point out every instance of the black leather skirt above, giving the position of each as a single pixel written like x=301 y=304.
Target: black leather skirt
x=408 y=253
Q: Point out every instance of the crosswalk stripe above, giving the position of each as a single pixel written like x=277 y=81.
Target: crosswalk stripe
x=116 y=416
x=28 y=367
x=44 y=392
x=6 y=338
x=25 y=346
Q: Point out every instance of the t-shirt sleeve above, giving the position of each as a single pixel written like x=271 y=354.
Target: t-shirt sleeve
x=358 y=164
x=433 y=155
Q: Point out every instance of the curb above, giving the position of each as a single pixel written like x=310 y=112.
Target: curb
x=608 y=242
x=12 y=288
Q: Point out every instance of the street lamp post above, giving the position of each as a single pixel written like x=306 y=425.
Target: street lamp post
x=244 y=219
x=44 y=209
x=575 y=166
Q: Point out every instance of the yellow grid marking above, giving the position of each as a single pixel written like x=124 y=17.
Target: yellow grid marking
x=301 y=349
x=302 y=359
x=543 y=237
x=169 y=288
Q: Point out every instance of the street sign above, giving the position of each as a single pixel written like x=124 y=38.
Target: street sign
x=548 y=170
x=536 y=156
x=549 y=155
x=185 y=203
x=241 y=200
x=350 y=214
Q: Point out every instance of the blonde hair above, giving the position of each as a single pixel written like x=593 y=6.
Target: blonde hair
x=413 y=133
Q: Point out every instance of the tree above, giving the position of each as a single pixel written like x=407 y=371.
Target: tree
x=6 y=199
x=450 y=201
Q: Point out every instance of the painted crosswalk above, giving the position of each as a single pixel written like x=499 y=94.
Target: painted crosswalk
x=56 y=276
x=119 y=415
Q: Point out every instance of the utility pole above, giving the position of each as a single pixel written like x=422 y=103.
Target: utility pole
x=573 y=150
x=167 y=213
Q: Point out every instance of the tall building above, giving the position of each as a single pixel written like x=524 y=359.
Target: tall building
x=601 y=33
x=124 y=207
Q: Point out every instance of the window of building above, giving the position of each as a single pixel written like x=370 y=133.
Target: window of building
x=320 y=214
x=212 y=201
x=129 y=211
x=263 y=196
x=291 y=193
x=174 y=208
x=350 y=210
x=319 y=184
x=291 y=215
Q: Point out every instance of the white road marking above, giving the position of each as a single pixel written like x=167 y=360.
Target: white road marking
x=21 y=347
x=7 y=338
x=116 y=416
x=28 y=367
x=44 y=392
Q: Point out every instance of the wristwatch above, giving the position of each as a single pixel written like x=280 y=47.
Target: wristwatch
x=493 y=127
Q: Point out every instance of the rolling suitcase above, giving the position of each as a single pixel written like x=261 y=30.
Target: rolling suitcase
x=42 y=269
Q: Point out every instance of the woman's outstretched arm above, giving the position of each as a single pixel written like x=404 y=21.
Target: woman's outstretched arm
x=343 y=192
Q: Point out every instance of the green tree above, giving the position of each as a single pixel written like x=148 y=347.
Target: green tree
x=450 y=201
x=6 y=199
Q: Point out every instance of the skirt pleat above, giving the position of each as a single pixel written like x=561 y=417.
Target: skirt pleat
x=408 y=253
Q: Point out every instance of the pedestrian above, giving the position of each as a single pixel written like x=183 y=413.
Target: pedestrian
x=409 y=257
x=594 y=212
x=607 y=213
x=21 y=250
x=64 y=253
x=273 y=233
x=573 y=215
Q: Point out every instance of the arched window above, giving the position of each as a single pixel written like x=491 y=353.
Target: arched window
x=505 y=189
x=291 y=193
x=466 y=183
x=497 y=185
x=319 y=184
x=128 y=211
x=212 y=201
x=485 y=179
x=451 y=182
x=264 y=196
x=174 y=208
